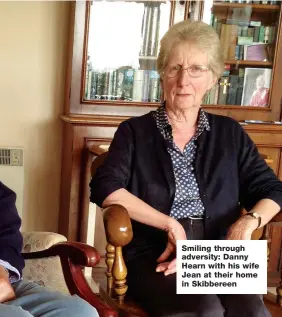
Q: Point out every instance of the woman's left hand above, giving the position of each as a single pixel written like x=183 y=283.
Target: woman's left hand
x=242 y=229
x=175 y=232
x=167 y=267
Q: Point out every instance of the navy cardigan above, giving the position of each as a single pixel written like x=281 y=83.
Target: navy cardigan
x=10 y=237
x=229 y=170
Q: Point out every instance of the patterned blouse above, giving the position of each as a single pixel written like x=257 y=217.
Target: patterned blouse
x=187 y=201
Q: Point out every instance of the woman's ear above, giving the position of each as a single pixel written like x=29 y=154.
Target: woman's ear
x=212 y=82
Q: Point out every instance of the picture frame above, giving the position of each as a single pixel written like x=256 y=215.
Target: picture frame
x=256 y=87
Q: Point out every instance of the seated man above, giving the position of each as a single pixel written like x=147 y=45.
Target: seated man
x=20 y=298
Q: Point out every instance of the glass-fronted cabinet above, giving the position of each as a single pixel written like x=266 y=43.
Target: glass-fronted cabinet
x=121 y=58
x=121 y=61
x=122 y=41
x=248 y=38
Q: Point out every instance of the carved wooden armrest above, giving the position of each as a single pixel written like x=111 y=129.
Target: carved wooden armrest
x=277 y=218
x=74 y=256
x=118 y=233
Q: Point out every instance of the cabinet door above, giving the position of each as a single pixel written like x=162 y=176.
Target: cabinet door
x=121 y=60
x=248 y=32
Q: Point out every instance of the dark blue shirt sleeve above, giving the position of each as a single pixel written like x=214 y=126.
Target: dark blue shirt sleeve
x=11 y=241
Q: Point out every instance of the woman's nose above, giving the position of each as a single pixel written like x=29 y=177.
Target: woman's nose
x=184 y=78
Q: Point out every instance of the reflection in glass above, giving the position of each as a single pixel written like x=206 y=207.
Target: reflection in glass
x=179 y=11
x=121 y=62
x=194 y=10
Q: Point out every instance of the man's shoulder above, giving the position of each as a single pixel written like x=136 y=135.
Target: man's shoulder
x=6 y=192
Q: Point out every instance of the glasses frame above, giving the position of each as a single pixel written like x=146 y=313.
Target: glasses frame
x=204 y=70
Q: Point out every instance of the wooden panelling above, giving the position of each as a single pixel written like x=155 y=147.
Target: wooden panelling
x=271 y=156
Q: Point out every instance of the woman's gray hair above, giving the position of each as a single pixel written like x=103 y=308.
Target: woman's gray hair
x=198 y=33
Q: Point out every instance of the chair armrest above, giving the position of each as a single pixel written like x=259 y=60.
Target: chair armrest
x=74 y=256
x=118 y=226
x=119 y=233
x=79 y=253
x=277 y=218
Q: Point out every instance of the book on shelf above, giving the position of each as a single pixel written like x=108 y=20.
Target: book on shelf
x=146 y=86
x=232 y=90
x=235 y=35
x=256 y=52
x=128 y=80
x=138 y=84
x=154 y=87
x=123 y=84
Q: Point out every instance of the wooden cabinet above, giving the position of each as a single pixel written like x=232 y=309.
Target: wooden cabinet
x=113 y=69
x=111 y=76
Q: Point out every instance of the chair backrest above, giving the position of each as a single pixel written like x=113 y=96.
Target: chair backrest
x=48 y=271
x=97 y=162
x=100 y=154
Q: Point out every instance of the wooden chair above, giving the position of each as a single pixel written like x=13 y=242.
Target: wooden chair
x=119 y=233
x=57 y=264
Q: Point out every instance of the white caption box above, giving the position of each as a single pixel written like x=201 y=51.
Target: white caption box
x=221 y=267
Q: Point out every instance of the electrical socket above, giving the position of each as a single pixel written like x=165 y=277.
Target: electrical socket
x=17 y=157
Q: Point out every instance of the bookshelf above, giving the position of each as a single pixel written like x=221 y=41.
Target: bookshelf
x=153 y=58
x=249 y=38
x=264 y=7
x=248 y=35
x=249 y=63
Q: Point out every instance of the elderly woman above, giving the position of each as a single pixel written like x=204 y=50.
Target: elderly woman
x=183 y=173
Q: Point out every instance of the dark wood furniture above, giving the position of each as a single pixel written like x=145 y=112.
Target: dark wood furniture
x=74 y=257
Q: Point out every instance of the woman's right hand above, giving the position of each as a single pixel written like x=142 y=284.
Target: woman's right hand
x=175 y=232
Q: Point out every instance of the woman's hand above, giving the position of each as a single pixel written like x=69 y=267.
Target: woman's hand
x=6 y=290
x=175 y=232
x=242 y=229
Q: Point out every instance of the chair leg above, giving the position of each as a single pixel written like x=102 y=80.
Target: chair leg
x=110 y=257
x=279 y=291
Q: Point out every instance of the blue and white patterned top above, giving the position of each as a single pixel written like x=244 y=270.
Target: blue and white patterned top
x=187 y=200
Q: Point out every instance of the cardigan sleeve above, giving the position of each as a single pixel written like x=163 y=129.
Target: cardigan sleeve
x=257 y=179
x=115 y=172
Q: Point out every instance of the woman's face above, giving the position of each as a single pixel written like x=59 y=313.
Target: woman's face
x=184 y=91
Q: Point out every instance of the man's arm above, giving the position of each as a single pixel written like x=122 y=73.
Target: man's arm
x=10 y=236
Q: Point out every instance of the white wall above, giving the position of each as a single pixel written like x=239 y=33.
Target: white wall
x=33 y=48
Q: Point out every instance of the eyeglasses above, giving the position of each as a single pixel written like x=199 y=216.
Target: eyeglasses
x=193 y=70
